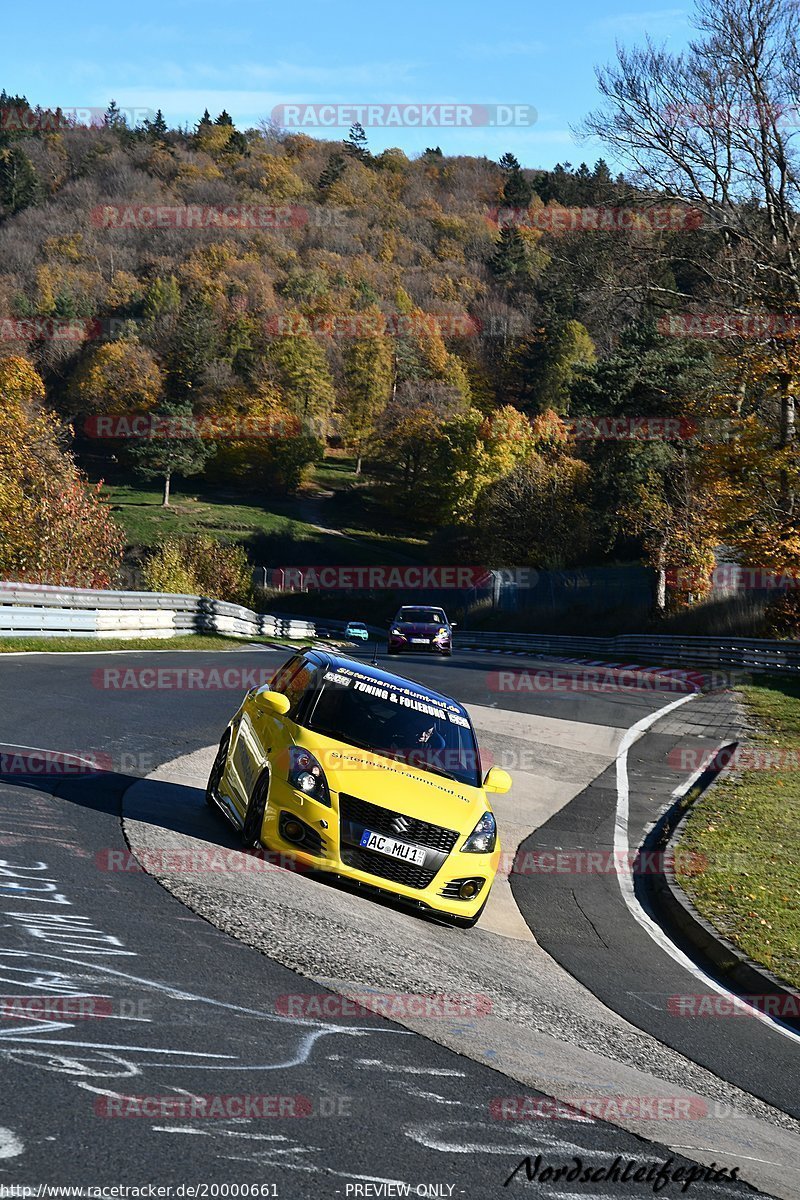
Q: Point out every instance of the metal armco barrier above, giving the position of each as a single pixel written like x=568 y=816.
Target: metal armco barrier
x=750 y=654
x=33 y=610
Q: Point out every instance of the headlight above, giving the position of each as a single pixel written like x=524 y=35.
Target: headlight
x=483 y=837
x=441 y=634
x=307 y=775
x=395 y=633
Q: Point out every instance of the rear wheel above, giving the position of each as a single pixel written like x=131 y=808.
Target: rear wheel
x=217 y=771
x=256 y=807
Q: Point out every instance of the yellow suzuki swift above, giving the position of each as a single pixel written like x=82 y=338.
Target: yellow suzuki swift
x=347 y=769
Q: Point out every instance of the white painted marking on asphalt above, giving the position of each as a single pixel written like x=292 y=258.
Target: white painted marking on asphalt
x=10 y=1145
x=437 y=1137
x=623 y=868
x=179 y=1129
x=376 y=1062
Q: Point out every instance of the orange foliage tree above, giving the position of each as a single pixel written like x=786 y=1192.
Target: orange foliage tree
x=54 y=528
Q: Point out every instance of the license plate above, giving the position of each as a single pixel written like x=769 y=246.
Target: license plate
x=392 y=848
x=421 y=641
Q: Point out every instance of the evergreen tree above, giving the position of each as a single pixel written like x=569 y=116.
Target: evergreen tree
x=356 y=142
x=19 y=183
x=173 y=446
x=517 y=192
x=509 y=163
x=156 y=129
x=509 y=263
x=333 y=171
x=193 y=345
x=224 y=118
x=237 y=144
x=114 y=118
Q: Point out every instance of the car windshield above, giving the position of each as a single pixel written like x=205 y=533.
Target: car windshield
x=397 y=721
x=422 y=616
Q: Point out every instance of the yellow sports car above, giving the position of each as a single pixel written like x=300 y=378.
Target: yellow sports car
x=350 y=770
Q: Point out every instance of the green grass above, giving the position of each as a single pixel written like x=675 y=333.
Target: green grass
x=190 y=641
x=221 y=513
x=749 y=826
x=276 y=531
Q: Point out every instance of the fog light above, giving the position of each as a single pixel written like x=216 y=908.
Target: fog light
x=293 y=831
x=469 y=889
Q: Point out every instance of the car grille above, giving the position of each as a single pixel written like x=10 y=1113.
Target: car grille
x=406 y=874
x=379 y=820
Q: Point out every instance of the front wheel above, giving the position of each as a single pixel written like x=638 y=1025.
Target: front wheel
x=217 y=771
x=254 y=816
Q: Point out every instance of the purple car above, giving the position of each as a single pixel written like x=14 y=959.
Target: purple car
x=421 y=627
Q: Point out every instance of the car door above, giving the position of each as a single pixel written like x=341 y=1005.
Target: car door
x=251 y=741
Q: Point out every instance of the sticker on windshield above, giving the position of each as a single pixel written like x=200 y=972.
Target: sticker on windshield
x=407 y=697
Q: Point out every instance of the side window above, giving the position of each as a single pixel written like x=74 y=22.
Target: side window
x=285 y=673
x=298 y=685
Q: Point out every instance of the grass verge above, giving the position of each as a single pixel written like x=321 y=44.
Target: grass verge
x=89 y=645
x=749 y=828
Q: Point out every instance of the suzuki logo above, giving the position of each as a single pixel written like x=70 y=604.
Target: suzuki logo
x=401 y=824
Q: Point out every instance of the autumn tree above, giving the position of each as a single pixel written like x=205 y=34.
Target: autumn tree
x=538 y=515
x=54 y=527
x=708 y=128
x=369 y=373
x=116 y=377
x=301 y=370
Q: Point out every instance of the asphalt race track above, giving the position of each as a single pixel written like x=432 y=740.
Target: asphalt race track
x=221 y=981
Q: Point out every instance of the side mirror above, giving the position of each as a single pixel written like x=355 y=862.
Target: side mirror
x=497 y=780
x=274 y=702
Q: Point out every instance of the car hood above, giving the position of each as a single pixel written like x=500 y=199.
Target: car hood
x=398 y=786
x=417 y=630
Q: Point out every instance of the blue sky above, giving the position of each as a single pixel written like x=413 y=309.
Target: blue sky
x=248 y=56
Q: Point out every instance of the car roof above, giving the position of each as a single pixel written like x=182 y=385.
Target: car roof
x=384 y=677
x=413 y=607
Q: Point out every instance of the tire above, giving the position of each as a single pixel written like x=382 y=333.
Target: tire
x=217 y=770
x=254 y=815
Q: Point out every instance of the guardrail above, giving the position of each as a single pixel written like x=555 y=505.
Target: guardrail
x=751 y=654
x=34 y=610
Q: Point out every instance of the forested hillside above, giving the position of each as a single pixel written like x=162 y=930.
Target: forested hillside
x=545 y=368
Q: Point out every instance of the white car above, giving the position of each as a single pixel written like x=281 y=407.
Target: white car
x=356 y=630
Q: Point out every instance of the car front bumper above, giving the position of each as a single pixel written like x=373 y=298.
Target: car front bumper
x=334 y=850
x=432 y=647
